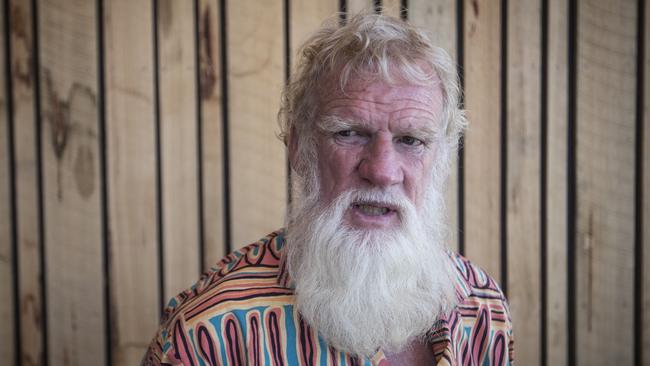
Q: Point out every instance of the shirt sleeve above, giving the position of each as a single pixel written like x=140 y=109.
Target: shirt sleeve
x=170 y=346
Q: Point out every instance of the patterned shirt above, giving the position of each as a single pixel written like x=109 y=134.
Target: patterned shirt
x=242 y=312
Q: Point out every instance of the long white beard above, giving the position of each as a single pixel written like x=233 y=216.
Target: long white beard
x=369 y=289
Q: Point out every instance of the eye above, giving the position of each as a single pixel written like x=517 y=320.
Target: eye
x=350 y=137
x=409 y=141
x=346 y=133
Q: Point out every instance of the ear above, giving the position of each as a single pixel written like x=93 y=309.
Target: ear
x=292 y=149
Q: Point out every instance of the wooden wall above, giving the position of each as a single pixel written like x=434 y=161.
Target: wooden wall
x=138 y=146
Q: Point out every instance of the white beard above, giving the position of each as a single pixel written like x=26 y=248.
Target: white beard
x=370 y=289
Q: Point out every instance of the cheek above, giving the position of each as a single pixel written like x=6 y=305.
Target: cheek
x=336 y=166
x=419 y=175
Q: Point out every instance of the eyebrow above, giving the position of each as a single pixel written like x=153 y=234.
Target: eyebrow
x=332 y=124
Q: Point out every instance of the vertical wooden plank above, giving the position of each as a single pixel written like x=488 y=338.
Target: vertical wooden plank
x=605 y=174
x=556 y=187
x=178 y=125
x=7 y=346
x=30 y=301
x=212 y=133
x=134 y=302
x=71 y=182
x=256 y=76
x=391 y=7
x=645 y=357
x=356 y=6
x=439 y=19
x=523 y=178
x=305 y=17
x=482 y=140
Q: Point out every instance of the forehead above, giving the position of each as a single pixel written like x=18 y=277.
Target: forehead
x=369 y=101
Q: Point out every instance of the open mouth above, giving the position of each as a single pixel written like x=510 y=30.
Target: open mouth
x=373 y=208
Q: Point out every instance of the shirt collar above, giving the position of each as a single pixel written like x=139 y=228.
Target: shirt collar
x=283 y=277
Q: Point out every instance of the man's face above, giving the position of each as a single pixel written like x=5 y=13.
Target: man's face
x=380 y=136
x=380 y=169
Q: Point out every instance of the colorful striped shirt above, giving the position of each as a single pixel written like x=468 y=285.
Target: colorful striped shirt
x=242 y=312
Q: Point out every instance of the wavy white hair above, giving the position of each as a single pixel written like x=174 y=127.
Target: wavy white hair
x=365 y=290
x=373 y=47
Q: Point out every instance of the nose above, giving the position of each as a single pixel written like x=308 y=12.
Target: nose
x=380 y=164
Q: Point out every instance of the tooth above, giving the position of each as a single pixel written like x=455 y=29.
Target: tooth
x=373 y=210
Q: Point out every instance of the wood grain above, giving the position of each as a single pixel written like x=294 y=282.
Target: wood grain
x=605 y=181
x=391 y=7
x=30 y=301
x=71 y=182
x=178 y=139
x=212 y=131
x=256 y=76
x=482 y=140
x=7 y=326
x=438 y=18
x=134 y=302
x=523 y=178
x=307 y=16
x=645 y=353
x=556 y=187
x=356 y=6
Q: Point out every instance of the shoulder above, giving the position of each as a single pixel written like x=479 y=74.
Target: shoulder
x=482 y=312
x=243 y=279
x=472 y=280
x=253 y=265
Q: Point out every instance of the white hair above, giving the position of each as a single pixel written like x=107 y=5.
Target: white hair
x=370 y=289
x=373 y=47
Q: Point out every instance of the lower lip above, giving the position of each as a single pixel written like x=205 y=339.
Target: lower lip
x=362 y=220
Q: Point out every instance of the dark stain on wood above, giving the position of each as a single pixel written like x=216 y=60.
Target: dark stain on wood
x=28 y=361
x=207 y=71
x=22 y=48
x=475 y=7
x=31 y=308
x=165 y=14
x=58 y=112
x=84 y=171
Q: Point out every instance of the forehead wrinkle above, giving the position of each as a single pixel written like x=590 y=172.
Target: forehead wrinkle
x=425 y=128
x=361 y=114
x=346 y=100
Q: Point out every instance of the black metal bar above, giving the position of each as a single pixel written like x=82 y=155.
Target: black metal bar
x=460 y=54
x=12 y=186
x=199 y=137
x=543 y=183
x=159 y=165
x=504 y=147
x=223 y=38
x=287 y=75
x=103 y=156
x=638 y=188
x=572 y=180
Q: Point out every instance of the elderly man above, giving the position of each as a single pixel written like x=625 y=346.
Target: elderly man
x=361 y=274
